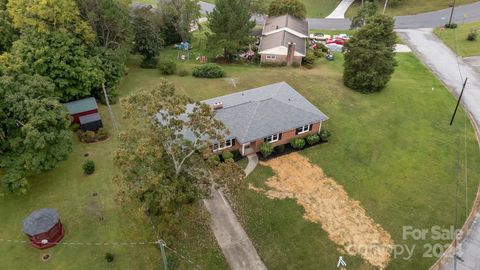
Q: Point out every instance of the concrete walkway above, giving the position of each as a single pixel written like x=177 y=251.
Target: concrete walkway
x=339 y=12
x=448 y=66
x=252 y=164
x=231 y=237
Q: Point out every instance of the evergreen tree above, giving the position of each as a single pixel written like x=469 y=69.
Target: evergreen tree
x=370 y=57
x=231 y=27
x=147 y=29
x=178 y=16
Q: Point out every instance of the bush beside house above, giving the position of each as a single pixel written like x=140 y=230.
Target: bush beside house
x=297 y=143
x=266 y=149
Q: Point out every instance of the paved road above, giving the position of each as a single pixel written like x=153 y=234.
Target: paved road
x=430 y=19
x=231 y=237
x=447 y=66
x=339 y=11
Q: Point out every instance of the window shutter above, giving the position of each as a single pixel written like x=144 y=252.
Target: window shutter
x=310 y=127
x=296 y=131
x=265 y=139
x=279 y=136
x=233 y=142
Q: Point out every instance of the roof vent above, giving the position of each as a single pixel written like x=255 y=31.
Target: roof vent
x=218 y=105
x=276 y=27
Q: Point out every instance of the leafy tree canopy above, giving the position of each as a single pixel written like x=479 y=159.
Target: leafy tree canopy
x=61 y=57
x=164 y=162
x=34 y=134
x=231 y=27
x=7 y=33
x=181 y=15
x=147 y=28
x=46 y=16
x=370 y=58
x=292 y=7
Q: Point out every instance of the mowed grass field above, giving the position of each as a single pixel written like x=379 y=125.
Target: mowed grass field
x=409 y=7
x=393 y=151
x=456 y=39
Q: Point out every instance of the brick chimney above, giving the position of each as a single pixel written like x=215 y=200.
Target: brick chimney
x=290 y=53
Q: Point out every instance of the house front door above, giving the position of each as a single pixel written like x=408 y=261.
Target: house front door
x=247 y=149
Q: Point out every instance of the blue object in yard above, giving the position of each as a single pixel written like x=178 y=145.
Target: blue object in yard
x=330 y=57
x=184 y=46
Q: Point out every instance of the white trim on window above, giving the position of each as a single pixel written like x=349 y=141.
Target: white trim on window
x=303 y=129
x=270 y=57
x=221 y=146
x=272 y=138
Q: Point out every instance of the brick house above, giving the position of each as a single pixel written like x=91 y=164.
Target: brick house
x=284 y=40
x=274 y=114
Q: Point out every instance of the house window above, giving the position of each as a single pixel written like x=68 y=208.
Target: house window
x=223 y=145
x=271 y=57
x=272 y=138
x=303 y=129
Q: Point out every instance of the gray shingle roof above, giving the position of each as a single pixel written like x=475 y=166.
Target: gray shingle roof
x=85 y=119
x=274 y=23
x=282 y=38
x=40 y=221
x=82 y=105
x=263 y=111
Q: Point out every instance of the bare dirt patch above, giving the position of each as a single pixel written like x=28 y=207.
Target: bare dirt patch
x=327 y=203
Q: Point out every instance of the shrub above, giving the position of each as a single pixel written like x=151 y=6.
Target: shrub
x=472 y=36
x=313 y=139
x=88 y=136
x=167 y=67
x=227 y=155
x=280 y=148
x=109 y=257
x=208 y=71
x=309 y=59
x=149 y=63
x=325 y=134
x=297 y=143
x=183 y=72
x=215 y=159
x=102 y=134
x=322 y=47
x=237 y=155
x=74 y=127
x=451 y=25
x=266 y=149
x=88 y=166
x=318 y=53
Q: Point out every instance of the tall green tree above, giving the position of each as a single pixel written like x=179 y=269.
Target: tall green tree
x=63 y=58
x=180 y=16
x=368 y=9
x=370 y=56
x=231 y=27
x=110 y=20
x=34 y=134
x=8 y=34
x=147 y=27
x=55 y=42
x=161 y=160
x=292 y=7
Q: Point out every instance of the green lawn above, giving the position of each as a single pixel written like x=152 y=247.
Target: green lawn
x=456 y=39
x=392 y=151
x=410 y=7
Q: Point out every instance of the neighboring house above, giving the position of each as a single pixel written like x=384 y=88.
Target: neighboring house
x=274 y=113
x=85 y=113
x=284 y=40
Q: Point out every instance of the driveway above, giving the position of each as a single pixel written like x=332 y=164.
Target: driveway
x=339 y=12
x=451 y=69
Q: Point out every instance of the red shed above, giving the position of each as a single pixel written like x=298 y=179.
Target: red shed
x=81 y=107
x=43 y=228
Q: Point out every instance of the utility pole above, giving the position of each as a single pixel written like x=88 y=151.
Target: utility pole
x=451 y=14
x=164 y=257
x=109 y=108
x=385 y=6
x=458 y=102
